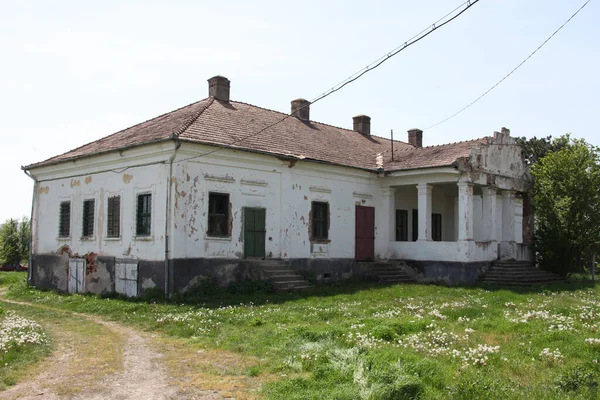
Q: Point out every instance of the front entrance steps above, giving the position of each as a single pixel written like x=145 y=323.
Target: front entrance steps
x=390 y=273
x=282 y=276
x=518 y=273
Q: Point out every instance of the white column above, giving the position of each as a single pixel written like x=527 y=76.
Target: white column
x=385 y=221
x=508 y=216
x=465 y=211
x=424 y=204
x=489 y=214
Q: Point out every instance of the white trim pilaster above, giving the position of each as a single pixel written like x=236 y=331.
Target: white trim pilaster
x=424 y=204
x=465 y=211
x=489 y=213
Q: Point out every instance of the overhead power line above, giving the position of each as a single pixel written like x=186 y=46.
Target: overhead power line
x=511 y=72
x=446 y=19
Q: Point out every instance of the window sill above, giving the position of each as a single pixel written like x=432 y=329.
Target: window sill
x=320 y=241
x=143 y=238
x=88 y=238
x=218 y=238
x=64 y=238
x=113 y=239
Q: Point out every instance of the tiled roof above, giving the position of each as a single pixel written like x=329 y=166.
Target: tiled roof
x=235 y=124
x=432 y=156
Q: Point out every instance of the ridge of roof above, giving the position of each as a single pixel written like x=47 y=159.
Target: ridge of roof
x=453 y=143
x=211 y=100
x=313 y=121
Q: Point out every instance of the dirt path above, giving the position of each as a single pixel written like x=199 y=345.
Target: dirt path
x=141 y=374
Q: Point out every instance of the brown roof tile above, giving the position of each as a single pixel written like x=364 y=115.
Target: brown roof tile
x=235 y=124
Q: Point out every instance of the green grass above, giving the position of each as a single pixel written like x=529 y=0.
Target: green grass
x=15 y=360
x=359 y=341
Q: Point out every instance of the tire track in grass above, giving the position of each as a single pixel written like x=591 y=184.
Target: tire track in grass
x=141 y=373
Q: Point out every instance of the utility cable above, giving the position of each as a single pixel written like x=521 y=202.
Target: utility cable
x=421 y=35
x=511 y=72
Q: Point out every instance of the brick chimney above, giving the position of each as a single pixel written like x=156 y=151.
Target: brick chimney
x=415 y=137
x=218 y=87
x=301 y=109
x=362 y=125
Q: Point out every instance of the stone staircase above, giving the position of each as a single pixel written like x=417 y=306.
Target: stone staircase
x=518 y=273
x=282 y=276
x=390 y=273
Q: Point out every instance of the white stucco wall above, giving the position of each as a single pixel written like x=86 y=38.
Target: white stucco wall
x=254 y=180
x=77 y=187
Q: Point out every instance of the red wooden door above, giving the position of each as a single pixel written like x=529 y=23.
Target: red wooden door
x=365 y=233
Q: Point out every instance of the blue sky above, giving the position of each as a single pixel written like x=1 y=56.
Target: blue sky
x=73 y=71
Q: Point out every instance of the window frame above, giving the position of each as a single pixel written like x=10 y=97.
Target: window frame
x=415 y=225
x=61 y=220
x=111 y=221
x=148 y=215
x=319 y=221
x=436 y=227
x=401 y=225
x=212 y=215
x=87 y=226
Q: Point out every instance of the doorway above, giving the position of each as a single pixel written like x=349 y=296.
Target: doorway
x=254 y=232
x=365 y=233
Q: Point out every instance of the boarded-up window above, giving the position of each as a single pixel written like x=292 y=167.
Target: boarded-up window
x=64 y=219
x=436 y=227
x=401 y=225
x=113 y=217
x=320 y=213
x=143 y=215
x=218 y=214
x=88 y=218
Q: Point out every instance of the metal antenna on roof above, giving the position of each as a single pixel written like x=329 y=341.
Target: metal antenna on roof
x=392 y=145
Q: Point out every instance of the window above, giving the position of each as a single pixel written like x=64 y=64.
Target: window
x=401 y=225
x=143 y=215
x=113 y=214
x=64 y=220
x=436 y=227
x=320 y=215
x=218 y=215
x=415 y=225
x=88 y=218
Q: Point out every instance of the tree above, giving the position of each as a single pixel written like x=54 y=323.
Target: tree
x=535 y=149
x=567 y=205
x=14 y=241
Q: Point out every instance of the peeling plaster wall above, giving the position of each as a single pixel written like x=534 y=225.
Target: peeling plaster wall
x=498 y=163
x=100 y=186
x=284 y=189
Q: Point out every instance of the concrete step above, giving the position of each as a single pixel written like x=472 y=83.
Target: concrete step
x=524 y=274
x=518 y=273
x=279 y=271
x=291 y=285
x=286 y=278
x=390 y=273
x=282 y=276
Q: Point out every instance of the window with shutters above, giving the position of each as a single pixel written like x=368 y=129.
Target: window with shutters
x=218 y=215
x=320 y=216
x=436 y=227
x=88 y=218
x=113 y=217
x=143 y=215
x=401 y=225
x=64 y=219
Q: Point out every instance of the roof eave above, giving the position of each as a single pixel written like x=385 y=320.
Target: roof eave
x=75 y=158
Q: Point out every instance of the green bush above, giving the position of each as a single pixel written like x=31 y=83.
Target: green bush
x=578 y=377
